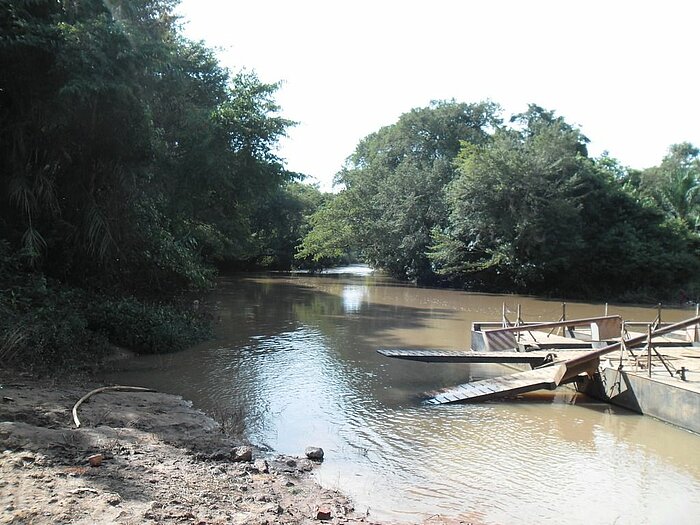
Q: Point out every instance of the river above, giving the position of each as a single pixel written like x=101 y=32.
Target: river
x=294 y=364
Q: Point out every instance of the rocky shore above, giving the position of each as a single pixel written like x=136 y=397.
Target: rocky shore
x=142 y=458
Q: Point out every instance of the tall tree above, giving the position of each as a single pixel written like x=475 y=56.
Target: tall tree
x=674 y=185
x=128 y=155
x=393 y=188
x=514 y=220
x=531 y=212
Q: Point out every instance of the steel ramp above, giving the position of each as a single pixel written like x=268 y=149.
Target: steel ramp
x=542 y=378
x=534 y=358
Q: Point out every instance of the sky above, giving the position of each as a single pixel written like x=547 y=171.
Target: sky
x=625 y=72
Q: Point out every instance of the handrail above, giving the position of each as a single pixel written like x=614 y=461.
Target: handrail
x=635 y=341
x=555 y=324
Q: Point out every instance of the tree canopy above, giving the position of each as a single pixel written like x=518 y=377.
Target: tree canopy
x=128 y=154
x=449 y=194
x=393 y=183
x=530 y=211
x=131 y=163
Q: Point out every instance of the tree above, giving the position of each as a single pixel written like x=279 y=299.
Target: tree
x=130 y=162
x=128 y=155
x=281 y=222
x=393 y=188
x=530 y=212
x=674 y=186
x=514 y=220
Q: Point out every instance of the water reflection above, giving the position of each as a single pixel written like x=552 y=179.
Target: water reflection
x=295 y=356
x=353 y=296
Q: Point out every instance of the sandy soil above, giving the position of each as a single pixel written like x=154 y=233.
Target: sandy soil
x=162 y=462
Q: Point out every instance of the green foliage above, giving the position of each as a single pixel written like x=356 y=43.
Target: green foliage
x=674 y=186
x=531 y=212
x=126 y=150
x=282 y=221
x=393 y=189
x=329 y=239
x=41 y=325
x=45 y=325
x=130 y=163
x=146 y=328
x=514 y=208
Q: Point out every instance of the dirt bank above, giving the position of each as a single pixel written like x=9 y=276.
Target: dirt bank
x=162 y=462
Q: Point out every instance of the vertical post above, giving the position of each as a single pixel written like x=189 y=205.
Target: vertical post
x=606 y=309
x=503 y=315
x=518 y=322
x=563 y=318
x=697 y=309
x=658 y=315
x=623 y=347
x=649 y=350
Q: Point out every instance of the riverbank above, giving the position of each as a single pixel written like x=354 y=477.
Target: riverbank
x=155 y=460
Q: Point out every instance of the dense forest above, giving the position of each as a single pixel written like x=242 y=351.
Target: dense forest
x=133 y=167
x=450 y=195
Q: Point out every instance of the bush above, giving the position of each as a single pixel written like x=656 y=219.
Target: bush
x=43 y=326
x=46 y=325
x=145 y=327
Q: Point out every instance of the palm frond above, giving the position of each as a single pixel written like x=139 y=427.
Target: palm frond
x=21 y=195
x=33 y=244
x=97 y=232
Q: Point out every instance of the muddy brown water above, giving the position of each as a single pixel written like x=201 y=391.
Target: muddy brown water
x=294 y=363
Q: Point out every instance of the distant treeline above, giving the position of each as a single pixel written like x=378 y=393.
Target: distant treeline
x=450 y=195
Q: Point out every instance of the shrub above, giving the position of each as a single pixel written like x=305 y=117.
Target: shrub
x=147 y=328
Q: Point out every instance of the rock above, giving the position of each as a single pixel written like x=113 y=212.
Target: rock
x=306 y=465
x=323 y=512
x=291 y=462
x=262 y=466
x=95 y=460
x=314 y=453
x=244 y=453
x=113 y=498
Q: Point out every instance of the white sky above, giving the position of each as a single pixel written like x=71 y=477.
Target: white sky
x=625 y=72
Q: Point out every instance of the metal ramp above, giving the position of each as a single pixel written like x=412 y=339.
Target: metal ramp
x=542 y=378
x=535 y=358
